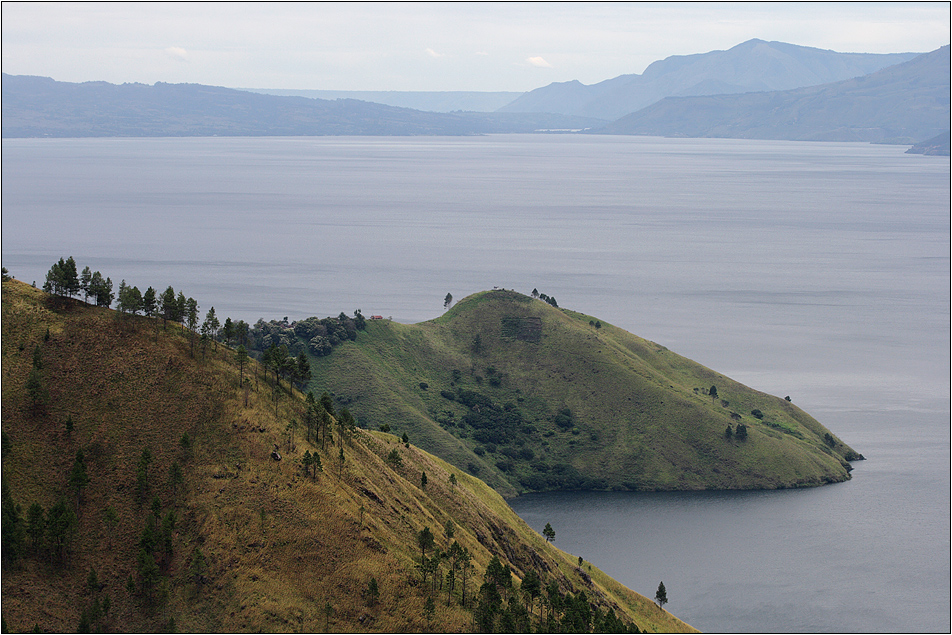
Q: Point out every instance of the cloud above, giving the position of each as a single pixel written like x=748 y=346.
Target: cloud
x=178 y=53
x=538 y=61
x=433 y=53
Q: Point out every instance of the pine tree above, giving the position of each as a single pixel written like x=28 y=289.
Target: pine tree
x=84 y=279
x=661 y=597
x=176 y=476
x=36 y=389
x=36 y=526
x=71 y=282
x=168 y=306
x=429 y=608
x=149 y=306
x=372 y=593
x=78 y=477
x=425 y=541
x=210 y=328
x=303 y=369
x=11 y=526
x=196 y=568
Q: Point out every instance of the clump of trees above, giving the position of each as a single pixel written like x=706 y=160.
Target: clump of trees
x=318 y=336
x=545 y=298
x=502 y=606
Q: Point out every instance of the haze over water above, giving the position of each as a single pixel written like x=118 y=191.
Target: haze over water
x=815 y=270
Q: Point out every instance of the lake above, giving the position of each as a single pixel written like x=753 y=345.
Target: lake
x=815 y=270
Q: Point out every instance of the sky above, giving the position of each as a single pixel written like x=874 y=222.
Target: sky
x=479 y=46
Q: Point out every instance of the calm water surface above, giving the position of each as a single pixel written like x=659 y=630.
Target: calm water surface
x=819 y=271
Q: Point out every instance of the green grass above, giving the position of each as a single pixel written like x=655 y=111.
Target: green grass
x=641 y=418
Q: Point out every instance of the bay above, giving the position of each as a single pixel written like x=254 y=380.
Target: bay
x=816 y=270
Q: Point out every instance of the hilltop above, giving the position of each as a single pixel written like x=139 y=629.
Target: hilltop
x=531 y=397
x=141 y=492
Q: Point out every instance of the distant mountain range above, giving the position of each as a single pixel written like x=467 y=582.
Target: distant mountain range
x=754 y=65
x=42 y=107
x=759 y=90
x=433 y=101
x=905 y=103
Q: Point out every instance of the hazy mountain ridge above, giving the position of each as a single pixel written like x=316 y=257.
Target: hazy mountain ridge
x=761 y=77
x=433 y=101
x=905 y=103
x=754 y=65
x=42 y=107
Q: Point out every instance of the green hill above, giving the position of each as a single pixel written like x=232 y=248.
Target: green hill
x=529 y=397
x=140 y=494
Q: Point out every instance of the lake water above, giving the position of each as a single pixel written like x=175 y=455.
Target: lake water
x=815 y=270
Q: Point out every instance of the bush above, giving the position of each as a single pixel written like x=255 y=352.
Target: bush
x=394 y=458
x=757 y=413
x=563 y=421
x=424 y=385
x=320 y=346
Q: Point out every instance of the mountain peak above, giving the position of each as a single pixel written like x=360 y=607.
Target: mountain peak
x=753 y=65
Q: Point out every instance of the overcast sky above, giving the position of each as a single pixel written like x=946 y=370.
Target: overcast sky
x=398 y=46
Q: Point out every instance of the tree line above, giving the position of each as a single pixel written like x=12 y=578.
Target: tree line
x=499 y=604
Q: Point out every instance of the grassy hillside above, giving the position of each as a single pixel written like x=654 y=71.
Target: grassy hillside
x=255 y=544
x=531 y=397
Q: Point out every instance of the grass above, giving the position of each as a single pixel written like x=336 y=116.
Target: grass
x=642 y=418
x=279 y=546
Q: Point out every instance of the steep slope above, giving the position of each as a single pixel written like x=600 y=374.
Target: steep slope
x=530 y=397
x=905 y=103
x=751 y=66
x=281 y=551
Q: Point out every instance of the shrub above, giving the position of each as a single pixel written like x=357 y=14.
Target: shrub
x=394 y=459
x=757 y=413
x=563 y=421
x=320 y=346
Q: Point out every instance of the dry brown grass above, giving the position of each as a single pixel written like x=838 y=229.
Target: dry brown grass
x=279 y=545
